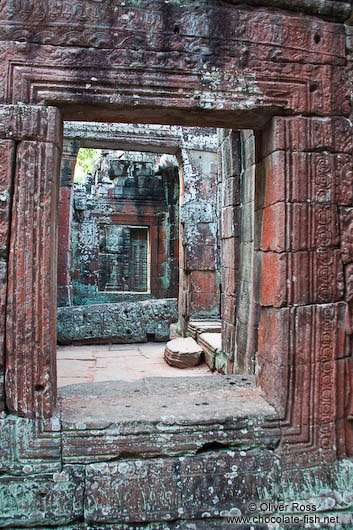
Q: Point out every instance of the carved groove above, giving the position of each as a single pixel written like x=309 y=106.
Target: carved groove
x=31 y=313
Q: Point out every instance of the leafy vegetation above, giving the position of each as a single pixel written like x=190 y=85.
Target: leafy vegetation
x=84 y=163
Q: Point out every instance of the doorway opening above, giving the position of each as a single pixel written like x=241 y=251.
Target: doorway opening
x=138 y=260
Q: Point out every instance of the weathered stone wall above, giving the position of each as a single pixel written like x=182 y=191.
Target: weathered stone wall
x=124 y=474
x=122 y=322
x=125 y=193
x=68 y=162
x=7 y=154
x=247 y=304
x=196 y=150
x=31 y=167
x=199 y=288
x=229 y=187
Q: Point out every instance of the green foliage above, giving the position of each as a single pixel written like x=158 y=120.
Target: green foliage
x=84 y=163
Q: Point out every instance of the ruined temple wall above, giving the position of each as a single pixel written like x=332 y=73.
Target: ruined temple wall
x=7 y=154
x=196 y=148
x=295 y=68
x=236 y=220
x=199 y=286
x=229 y=205
x=123 y=322
x=111 y=267
x=246 y=304
x=105 y=205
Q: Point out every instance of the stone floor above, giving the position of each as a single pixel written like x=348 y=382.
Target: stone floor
x=111 y=362
x=173 y=401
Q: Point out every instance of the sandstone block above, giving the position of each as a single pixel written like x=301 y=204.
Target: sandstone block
x=300 y=277
x=124 y=322
x=182 y=353
x=196 y=327
x=36 y=500
x=192 y=483
x=7 y=149
x=308 y=134
x=31 y=312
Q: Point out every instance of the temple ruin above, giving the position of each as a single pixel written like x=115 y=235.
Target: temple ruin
x=250 y=227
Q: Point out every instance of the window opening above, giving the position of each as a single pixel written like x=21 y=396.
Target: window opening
x=123 y=259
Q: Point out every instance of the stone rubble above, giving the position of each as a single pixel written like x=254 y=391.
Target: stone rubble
x=183 y=352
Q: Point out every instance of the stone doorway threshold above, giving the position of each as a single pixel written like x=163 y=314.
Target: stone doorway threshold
x=160 y=416
x=169 y=399
x=154 y=416
x=126 y=362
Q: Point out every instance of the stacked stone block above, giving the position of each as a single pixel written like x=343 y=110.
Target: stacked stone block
x=137 y=197
x=229 y=203
x=302 y=281
x=124 y=322
x=7 y=153
x=30 y=379
x=199 y=289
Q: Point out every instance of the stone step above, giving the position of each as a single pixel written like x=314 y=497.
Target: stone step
x=196 y=327
x=211 y=344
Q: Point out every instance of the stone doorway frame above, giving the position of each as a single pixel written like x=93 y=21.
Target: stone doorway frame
x=304 y=142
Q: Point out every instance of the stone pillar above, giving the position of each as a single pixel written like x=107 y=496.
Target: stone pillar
x=170 y=246
x=7 y=153
x=236 y=206
x=198 y=284
x=68 y=162
x=303 y=182
x=229 y=233
x=30 y=378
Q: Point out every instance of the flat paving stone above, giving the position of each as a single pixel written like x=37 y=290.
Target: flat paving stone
x=71 y=352
x=180 y=400
x=118 y=354
x=128 y=362
x=122 y=347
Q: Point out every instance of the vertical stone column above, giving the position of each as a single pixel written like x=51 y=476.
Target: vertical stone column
x=198 y=284
x=7 y=153
x=68 y=162
x=302 y=183
x=229 y=232
x=30 y=378
x=170 y=246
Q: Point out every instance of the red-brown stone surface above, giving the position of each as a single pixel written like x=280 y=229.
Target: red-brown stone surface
x=64 y=262
x=202 y=291
x=292 y=70
x=7 y=150
x=175 y=65
x=3 y=290
x=224 y=64
x=321 y=178
x=305 y=345
x=31 y=304
x=308 y=134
